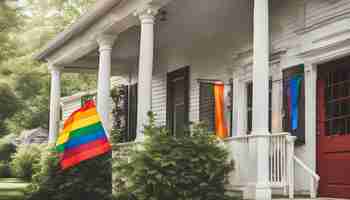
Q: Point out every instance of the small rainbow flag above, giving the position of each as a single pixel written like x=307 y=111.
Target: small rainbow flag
x=83 y=137
x=220 y=123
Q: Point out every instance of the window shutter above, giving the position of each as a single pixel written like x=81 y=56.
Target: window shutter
x=207 y=105
x=300 y=131
x=132 y=114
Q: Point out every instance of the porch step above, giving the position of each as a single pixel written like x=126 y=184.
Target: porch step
x=303 y=197
x=324 y=198
x=237 y=194
x=297 y=196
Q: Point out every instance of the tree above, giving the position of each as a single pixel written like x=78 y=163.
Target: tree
x=28 y=80
x=9 y=105
x=9 y=20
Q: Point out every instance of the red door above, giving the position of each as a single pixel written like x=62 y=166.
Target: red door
x=334 y=129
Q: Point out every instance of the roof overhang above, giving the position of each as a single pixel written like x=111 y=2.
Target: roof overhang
x=91 y=16
x=105 y=17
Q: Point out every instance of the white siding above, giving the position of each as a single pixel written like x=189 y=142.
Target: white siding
x=71 y=103
x=159 y=98
x=69 y=107
x=319 y=10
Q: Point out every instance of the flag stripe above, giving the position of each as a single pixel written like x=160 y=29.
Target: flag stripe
x=66 y=163
x=74 y=142
x=80 y=115
x=84 y=147
x=64 y=137
x=87 y=105
x=80 y=123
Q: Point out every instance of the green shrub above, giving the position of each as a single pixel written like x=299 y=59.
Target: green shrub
x=4 y=170
x=190 y=167
x=90 y=180
x=6 y=149
x=24 y=160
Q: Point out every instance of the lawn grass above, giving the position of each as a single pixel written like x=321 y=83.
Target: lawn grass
x=12 y=189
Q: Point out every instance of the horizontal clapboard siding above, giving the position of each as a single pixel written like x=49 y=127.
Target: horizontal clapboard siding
x=159 y=98
x=71 y=103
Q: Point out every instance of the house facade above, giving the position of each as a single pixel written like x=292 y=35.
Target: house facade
x=173 y=51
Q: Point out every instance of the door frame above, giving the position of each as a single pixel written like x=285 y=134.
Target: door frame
x=182 y=72
x=322 y=141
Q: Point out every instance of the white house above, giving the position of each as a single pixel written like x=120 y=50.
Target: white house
x=173 y=49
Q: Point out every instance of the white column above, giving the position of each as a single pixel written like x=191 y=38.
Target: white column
x=147 y=19
x=310 y=113
x=105 y=43
x=277 y=99
x=55 y=95
x=261 y=97
x=239 y=105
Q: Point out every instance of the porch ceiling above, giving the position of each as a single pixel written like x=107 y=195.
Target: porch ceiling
x=190 y=22
x=187 y=23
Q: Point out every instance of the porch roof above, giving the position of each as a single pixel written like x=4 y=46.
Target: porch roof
x=77 y=45
x=98 y=10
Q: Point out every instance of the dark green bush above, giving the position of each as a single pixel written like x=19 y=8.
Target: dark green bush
x=24 y=161
x=6 y=149
x=90 y=180
x=5 y=171
x=190 y=167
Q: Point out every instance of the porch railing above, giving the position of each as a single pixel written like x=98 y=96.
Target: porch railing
x=278 y=160
x=281 y=163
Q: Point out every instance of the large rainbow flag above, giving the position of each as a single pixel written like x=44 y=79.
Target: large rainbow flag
x=83 y=137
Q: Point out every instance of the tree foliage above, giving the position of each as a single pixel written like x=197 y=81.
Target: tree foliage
x=24 y=160
x=24 y=30
x=9 y=20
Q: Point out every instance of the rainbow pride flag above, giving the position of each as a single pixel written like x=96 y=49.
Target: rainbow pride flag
x=220 y=122
x=83 y=137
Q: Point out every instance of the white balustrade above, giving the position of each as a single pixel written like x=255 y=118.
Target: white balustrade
x=281 y=162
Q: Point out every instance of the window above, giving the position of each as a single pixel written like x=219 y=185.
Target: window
x=299 y=132
x=250 y=106
x=207 y=103
x=337 y=98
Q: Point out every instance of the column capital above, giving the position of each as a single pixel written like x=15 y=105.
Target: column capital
x=53 y=68
x=106 y=41
x=309 y=67
x=147 y=15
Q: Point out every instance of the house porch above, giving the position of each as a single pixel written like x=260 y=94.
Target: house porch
x=245 y=42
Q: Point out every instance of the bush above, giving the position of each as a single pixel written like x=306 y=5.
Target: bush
x=90 y=180
x=24 y=161
x=190 y=167
x=4 y=170
x=6 y=149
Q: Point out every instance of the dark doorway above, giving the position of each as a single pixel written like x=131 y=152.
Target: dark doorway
x=178 y=101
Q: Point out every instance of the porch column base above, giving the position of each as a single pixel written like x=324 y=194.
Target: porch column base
x=263 y=192
x=257 y=191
